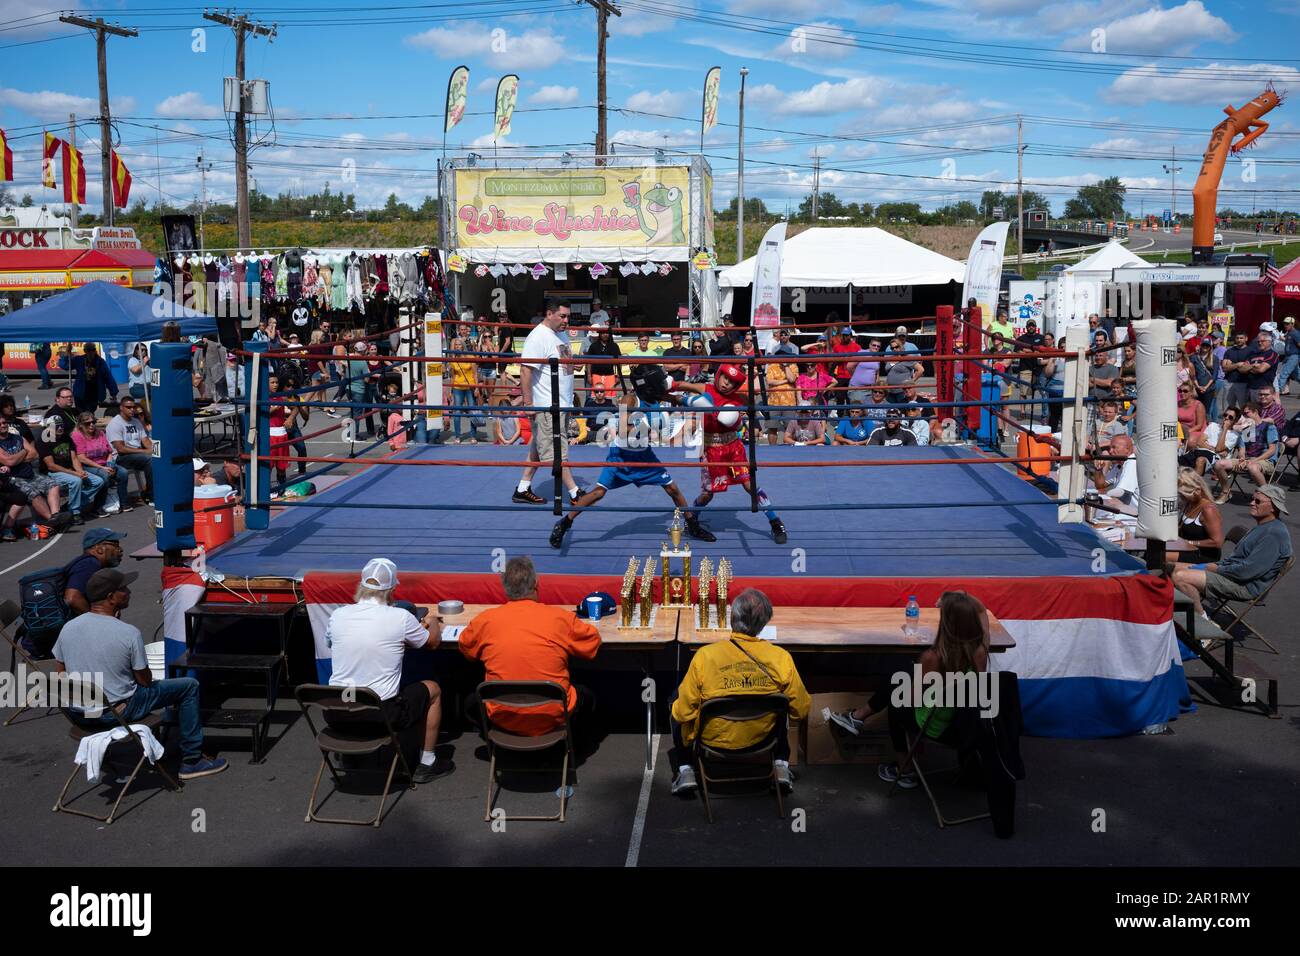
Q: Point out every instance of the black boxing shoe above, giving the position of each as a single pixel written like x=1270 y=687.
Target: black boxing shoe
x=557 y=533
x=527 y=497
x=698 y=531
x=778 y=531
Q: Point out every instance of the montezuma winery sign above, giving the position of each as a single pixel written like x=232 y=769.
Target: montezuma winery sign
x=548 y=209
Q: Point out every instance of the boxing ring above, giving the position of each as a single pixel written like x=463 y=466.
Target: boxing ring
x=1095 y=648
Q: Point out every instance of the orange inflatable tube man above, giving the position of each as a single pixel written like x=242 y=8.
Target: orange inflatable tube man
x=1245 y=122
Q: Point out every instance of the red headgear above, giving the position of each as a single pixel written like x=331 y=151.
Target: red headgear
x=728 y=378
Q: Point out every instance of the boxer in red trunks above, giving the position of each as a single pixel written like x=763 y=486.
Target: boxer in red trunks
x=727 y=462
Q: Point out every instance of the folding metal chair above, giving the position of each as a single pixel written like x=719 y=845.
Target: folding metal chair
x=760 y=755
x=362 y=704
x=523 y=695
x=10 y=612
x=1239 y=620
x=914 y=744
x=1290 y=466
x=77 y=732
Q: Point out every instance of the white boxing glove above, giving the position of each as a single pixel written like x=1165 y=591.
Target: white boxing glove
x=729 y=418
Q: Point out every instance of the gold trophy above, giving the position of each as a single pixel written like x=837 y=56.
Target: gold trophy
x=627 y=594
x=675 y=589
x=724 y=582
x=647 y=577
x=706 y=579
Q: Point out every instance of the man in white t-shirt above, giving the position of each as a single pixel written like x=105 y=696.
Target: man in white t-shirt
x=599 y=319
x=127 y=433
x=1119 y=482
x=547 y=340
x=368 y=641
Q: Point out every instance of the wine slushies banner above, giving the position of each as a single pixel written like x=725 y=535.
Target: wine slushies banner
x=552 y=209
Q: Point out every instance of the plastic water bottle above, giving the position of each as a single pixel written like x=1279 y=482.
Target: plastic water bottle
x=27 y=404
x=912 y=617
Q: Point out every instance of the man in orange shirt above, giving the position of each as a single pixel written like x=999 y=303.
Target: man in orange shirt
x=524 y=639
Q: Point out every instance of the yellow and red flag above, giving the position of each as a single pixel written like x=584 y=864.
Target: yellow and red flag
x=121 y=181
x=74 y=175
x=6 y=159
x=52 y=144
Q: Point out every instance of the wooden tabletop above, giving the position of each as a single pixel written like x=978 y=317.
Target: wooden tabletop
x=877 y=629
x=662 y=633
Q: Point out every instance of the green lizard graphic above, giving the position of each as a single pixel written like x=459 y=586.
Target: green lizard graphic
x=664 y=204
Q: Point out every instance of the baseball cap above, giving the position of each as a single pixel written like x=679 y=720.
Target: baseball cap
x=1275 y=494
x=847 y=330
x=107 y=580
x=901 y=330
x=199 y=464
x=1268 y=327
x=893 y=413
x=607 y=604
x=379 y=574
x=360 y=347
x=98 y=536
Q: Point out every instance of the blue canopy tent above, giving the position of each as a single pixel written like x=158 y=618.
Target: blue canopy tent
x=101 y=312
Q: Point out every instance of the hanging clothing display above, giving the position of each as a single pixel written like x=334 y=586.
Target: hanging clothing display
x=339 y=285
x=282 y=280
x=225 y=284
x=292 y=262
x=355 y=291
x=253 y=269
x=309 y=276
x=380 y=271
x=324 y=280
x=238 y=276
x=268 y=281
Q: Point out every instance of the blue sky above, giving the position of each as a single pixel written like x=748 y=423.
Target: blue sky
x=902 y=101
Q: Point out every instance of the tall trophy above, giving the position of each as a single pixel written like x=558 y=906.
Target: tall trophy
x=675 y=587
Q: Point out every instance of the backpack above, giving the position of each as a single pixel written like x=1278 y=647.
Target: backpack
x=43 y=610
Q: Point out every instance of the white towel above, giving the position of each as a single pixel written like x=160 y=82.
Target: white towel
x=90 y=752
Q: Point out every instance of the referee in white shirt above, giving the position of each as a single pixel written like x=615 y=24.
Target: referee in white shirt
x=368 y=640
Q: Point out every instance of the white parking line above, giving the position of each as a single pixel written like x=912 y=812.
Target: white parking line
x=53 y=541
x=642 y=804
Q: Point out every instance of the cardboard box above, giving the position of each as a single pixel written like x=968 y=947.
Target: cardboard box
x=821 y=745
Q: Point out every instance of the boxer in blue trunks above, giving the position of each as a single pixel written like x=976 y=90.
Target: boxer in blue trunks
x=631 y=445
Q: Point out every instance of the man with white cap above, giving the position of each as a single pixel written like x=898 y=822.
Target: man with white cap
x=367 y=642
x=1253 y=565
x=901 y=332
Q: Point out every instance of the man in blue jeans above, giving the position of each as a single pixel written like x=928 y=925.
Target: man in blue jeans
x=99 y=643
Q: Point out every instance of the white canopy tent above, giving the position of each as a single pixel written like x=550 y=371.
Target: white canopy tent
x=859 y=257
x=1078 y=291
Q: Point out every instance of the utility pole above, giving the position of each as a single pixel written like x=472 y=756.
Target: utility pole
x=1020 y=192
x=203 y=195
x=1173 y=170
x=817 y=178
x=603 y=9
x=102 y=31
x=740 y=174
x=72 y=142
x=242 y=26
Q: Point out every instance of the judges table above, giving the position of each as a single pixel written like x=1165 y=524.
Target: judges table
x=877 y=630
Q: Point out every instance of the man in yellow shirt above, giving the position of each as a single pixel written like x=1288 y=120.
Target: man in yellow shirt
x=745 y=664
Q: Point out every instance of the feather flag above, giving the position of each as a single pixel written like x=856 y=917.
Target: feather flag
x=712 y=89
x=74 y=175
x=507 y=94
x=52 y=144
x=457 y=94
x=121 y=181
x=6 y=159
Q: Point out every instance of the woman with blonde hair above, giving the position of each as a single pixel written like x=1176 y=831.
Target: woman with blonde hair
x=961 y=645
x=1199 y=518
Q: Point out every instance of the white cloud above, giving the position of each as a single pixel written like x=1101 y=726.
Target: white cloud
x=1149 y=84
x=860 y=150
x=529 y=49
x=554 y=96
x=1174 y=30
x=55 y=106
x=189 y=105
x=665 y=101
x=823 y=99
x=654 y=138
x=1119 y=144
x=823 y=150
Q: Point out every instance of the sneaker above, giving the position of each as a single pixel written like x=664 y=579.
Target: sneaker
x=888 y=772
x=848 y=723
x=685 y=782
x=452 y=441
x=203 y=767
x=557 y=533
x=124 y=509
x=528 y=497
x=1222 y=497
x=784 y=776
x=8 y=535
x=698 y=531
x=112 y=509
x=428 y=772
x=778 y=531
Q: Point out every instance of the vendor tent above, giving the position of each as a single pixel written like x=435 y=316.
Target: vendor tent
x=1079 y=290
x=1113 y=255
x=1287 y=285
x=859 y=257
x=101 y=312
